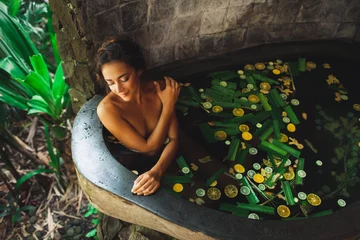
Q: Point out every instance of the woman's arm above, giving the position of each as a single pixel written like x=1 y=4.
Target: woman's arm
x=149 y=181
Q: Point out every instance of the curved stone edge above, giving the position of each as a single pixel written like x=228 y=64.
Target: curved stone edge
x=127 y=211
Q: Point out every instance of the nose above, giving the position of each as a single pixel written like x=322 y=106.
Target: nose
x=119 y=88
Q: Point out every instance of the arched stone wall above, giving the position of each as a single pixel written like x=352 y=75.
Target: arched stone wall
x=176 y=30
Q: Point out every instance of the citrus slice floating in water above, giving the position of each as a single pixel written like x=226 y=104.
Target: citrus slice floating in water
x=253 y=98
x=220 y=135
x=239 y=168
x=217 y=109
x=258 y=178
x=302 y=195
x=240 y=72
x=238 y=112
x=231 y=191
x=276 y=71
x=243 y=76
x=356 y=107
x=214 y=193
x=289 y=175
x=265 y=86
x=178 y=187
x=314 y=199
x=311 y=65
x=223 y=83
x=260 y=66
x=245 y=190
x=207 y=105
x=214 y=183
x=341 y=202
x=200 y=192
x=249 y=67
x=283 y=138
x=253 y=216
x=283 y=211
x=253 y=151
x=291 y=127
x=246 y=136
x=244 y=128
x=286 y=120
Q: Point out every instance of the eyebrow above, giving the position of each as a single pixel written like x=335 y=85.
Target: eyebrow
x=118 y=77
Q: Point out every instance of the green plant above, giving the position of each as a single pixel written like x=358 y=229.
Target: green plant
x=92 y=211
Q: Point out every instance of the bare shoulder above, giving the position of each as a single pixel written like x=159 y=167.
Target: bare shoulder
x=108 y=106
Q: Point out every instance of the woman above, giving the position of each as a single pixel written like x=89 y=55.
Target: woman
x=140 y=114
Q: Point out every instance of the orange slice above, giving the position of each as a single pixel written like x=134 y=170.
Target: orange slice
x=246 y=136
x=220 y=135
x=178 y=187
x=238 y=112
x=244 y=128
x=239 y=168
x=217 y=109
x=214 y=183
x=283 y=138
x=253 y=98
x=265 y=86
x=258 y=178
x=291 y=127
x=313 y=199
x=283 y=211
x=276 y=71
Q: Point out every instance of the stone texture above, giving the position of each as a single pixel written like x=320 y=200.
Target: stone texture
x=189 y=7
x=333 y=11
x=109 y=23
x=142 y=37
x=236 y=3
x=187 y=26
x=94 y=7
x=257 y=35
x=238 y=16
x=305 y=31
x=161 y=55
x=346 y=30
x=212 y=21
x=234 y=39
x=162 y=10
x=327 y=30
x=263 y=13
x=352 y=13
x=187 y=48
x=134 y=15
x=357 y=37
x=280 y=32
x=209 y=5
x=287 y=11
x=211 y=44
x=162 y=33
x=310 y=11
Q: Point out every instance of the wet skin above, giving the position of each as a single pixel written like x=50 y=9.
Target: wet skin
x=141 y=115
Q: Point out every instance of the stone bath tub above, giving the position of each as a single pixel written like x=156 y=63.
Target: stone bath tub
x=107 y=183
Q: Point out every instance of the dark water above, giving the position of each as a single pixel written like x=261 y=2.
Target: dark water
x=331 y=126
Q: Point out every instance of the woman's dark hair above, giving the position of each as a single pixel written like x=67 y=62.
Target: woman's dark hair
x=116 y=48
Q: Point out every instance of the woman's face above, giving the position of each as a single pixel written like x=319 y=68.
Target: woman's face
x=123 y=80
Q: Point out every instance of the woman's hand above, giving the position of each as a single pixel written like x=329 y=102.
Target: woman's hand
x=171 y=92
x=147 y=183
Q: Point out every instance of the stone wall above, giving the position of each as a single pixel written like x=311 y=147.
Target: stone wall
x=172 y=30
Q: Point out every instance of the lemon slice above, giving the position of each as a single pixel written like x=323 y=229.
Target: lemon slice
x=178 y=187
x=249 y=67
x=313 y=199
x=356 y=107
x=217 y=109
x=276 y=71
x=246 y=136
x=244 y=128
x=280 y=68
x=289 y=175
x=239 y=168
x=238 y=112
x=283 y=211
x=265 y=86
x=214 y=193
x=291 y=127
x=283 y=138
x=258 y=178
x=253 y=98
x=231 y=191
x=311 y=65
x=220 y=135
x=214 y=183
x=260 y=66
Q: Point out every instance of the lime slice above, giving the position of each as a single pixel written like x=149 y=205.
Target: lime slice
x=262 y=187
x=244 y=190
x=319 y=163
x=214 y=193
x=243 y=76
x=244 y=128
x=256 y=166
x=278 y=61
x=227 y=142
x=295 y=102
x=259 y=125
x=287 y=163
x=258 y=178
x=239 y=168
x=238 y=112
x=344 y=97
x=217 y=109
x=249 y=67
x=185 y=170
x=251 y=173
x=302 y=195
x=283 y=211
x=253 y=106
x=200 y=192
x=231 y=191
x=240 y=72
x=301 y=173
x=178 y=187
x=313 y=199
x=203 y=96
x=253 y=216
x=207 y=105
x=296 y=199
x=283 y=96
x=250 y=86
x=223 y=83
x=220 y=135
x=271 y=63
x=238 y=176
x=244 y=98
x=341 y=202
x=270 y=67
x=201 y=90
x=268 y=170
x=286 y=119
x=253 y=151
